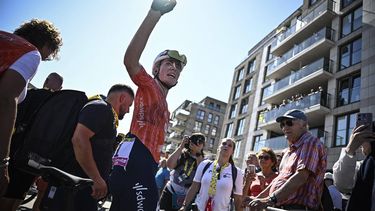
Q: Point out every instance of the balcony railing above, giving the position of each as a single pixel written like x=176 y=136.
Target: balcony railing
x=307 y=70
x=279 y=143
x=318 y=98
x=324 y=33
x=301 y=22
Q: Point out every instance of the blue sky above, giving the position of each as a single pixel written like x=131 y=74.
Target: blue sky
x=215 y=35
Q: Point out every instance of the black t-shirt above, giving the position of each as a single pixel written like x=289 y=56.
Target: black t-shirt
x=99 y=118
x=185 y=170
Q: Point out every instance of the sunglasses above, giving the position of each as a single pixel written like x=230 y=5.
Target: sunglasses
x=288 y=123
x=175 y=55
x=265 y=157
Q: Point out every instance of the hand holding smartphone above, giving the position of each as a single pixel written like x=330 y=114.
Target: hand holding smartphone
x=364 y=119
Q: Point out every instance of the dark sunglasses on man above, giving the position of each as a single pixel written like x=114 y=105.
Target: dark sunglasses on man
x=287 y=122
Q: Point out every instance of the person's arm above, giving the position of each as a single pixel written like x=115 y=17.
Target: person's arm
x=11 y=86
x=194 y=188
x=83 y=153
x=138 y=43
x=238 y=202
x=249 y=178
x=173 y=158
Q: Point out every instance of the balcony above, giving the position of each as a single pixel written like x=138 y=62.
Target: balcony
x=315 y=46
x=182 y=114
x=178 y=126
x=314 y=105
x=175 y=137
x=306 y=78
x=320 y=16
x=279 y=143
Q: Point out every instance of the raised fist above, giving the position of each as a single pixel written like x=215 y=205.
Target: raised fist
x=163 y=6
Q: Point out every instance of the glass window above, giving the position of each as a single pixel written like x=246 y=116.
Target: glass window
x=269 y=54
x=240 y=74
x=213 y=131
x=344 y=127
x=349 y=90
x=233 y=111
x=211 y=142
x=200 y=114
x=251 y=66
x=216 y=120
x=207 y=129
x=312 y=2
x=244 y=105
x=229 y=130
x=248 y=84
x=350 y=54
x=209 y=118
x=351 y=22
x=237 y=92
x=345 y=3
x=240 y=126
x=236 y=152
x=198 y=126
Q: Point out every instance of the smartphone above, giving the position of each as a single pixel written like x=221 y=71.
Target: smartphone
x=251 y=168
x=364 y=119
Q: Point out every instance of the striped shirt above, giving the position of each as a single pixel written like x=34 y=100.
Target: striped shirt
x=307 y=153
x=151 y=115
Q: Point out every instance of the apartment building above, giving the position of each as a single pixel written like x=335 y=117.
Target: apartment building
x=205 y=117
x=321 y=60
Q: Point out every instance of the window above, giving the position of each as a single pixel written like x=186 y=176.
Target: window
x=232 y=112
x=216 y=120
x=350 y=54
x=207 y=129
x=198 y=126
x=209 y=118
x=251 y=67
x=349 y=90
x=240 y=74
x=244 y=105
x=269 y=54
x=237 y=92
x=344 y=127
x=257 y=144
x=236 y=153
x=351 y=22
x=218 y=107
x=248 y=84
x=229 y=130
x=312 y=2
x=200 y=114
x=345 y=3
x=240 y=127
x=213 y=131
x=211 y=142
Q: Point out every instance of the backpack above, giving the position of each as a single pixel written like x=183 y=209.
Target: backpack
x=234 y=174
x=44 y=128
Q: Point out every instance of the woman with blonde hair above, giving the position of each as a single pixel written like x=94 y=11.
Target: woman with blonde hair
x=215 y=180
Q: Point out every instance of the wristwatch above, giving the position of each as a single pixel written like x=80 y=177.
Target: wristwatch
x=273 y=198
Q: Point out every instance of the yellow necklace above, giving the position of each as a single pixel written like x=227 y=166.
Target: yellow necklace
x=190 y=169
x=215 y=175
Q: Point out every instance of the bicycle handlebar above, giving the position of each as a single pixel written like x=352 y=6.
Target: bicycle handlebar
x=59 y=177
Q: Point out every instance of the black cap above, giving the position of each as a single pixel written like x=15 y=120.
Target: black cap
x=292 y=114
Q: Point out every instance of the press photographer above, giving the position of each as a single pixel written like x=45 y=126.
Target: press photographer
x=184 y=161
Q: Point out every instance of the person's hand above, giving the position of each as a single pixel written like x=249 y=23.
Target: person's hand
x=4 y=179
x=246 y=200
x=249 y=177
x=258 y=204
x=185 y=140
x=163 y=6
x=99 y=189
x=359 y=135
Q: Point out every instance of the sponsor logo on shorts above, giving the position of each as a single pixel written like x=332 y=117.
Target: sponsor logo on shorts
x=139 y=192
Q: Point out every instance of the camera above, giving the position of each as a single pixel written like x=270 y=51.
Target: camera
x=195 y=139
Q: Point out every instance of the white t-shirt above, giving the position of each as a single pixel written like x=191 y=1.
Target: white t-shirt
x=221 y=200
x=26 y=65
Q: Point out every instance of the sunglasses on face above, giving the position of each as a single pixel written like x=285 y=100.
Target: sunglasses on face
x=175 y=55
x=288 y=123
x=264 y=157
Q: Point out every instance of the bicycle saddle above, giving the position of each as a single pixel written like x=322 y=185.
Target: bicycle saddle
x=60 y=177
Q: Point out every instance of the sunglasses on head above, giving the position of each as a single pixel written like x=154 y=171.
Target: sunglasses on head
x=288 y=123
x=264 y=157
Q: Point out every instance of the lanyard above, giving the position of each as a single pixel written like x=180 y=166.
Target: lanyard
x=190 y=169
x=215 y=175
